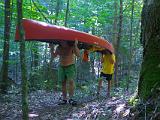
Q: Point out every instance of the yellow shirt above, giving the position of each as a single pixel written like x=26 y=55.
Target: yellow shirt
x=95 y=48
x=107 y=66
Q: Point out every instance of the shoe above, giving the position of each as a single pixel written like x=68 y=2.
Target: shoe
x=63 y=102
x=72 y=102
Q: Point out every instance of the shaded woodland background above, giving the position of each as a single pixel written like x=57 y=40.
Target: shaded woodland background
x=133 y=31
x=98 y=19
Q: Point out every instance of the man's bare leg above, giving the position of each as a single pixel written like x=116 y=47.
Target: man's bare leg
x=71 y=93
x=64 y=93
x=99 y=86
x=64 y=89
x=71 y=88
x=109 y=88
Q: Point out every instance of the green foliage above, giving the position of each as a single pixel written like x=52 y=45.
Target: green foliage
x=35 y=82
x=1 y=21
x=134 y=100
x=49 y=84
x=93 y=16
x=87 y=88
x=31 y=11
x=41 y=78
x=123 y=82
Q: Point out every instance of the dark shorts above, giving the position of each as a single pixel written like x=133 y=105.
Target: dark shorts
x=106 y=76
x=67 y=72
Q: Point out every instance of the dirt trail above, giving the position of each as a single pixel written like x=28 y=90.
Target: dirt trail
x=43 y=106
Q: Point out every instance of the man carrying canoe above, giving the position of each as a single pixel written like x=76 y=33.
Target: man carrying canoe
x=67 y=71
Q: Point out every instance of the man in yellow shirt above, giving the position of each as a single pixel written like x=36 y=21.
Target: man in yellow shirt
x=108 y=61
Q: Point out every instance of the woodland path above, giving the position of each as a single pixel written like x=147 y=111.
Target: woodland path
x=43 y=106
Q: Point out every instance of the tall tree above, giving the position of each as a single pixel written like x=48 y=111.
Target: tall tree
x=22 y=61
x=52 y=46
x=115 y=34
x=67 y=12
x=57 y=11
x=118 y=42
x=115 y=21
x=150 y=37
x=4 y=82
x=131 y=46
x=35 y=55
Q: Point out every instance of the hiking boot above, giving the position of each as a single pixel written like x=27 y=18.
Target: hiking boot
x=72 y=102
x=63 y=102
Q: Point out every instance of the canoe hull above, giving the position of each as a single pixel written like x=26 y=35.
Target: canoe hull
x=43 y=32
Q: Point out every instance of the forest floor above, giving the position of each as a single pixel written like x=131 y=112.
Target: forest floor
x=43 y=105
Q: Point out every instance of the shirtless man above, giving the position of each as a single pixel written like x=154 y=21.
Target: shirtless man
x=67 y=70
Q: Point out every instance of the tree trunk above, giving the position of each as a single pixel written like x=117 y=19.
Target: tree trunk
x=92 y=60
x=131 y=47
x=67 y=12
x=4 y=82
x=150 y=37
x=22 y=61
x=35 y=55
x=115 y=30
x=115 y=22
x=118 y=43
x=52 y=48
x=57 y=11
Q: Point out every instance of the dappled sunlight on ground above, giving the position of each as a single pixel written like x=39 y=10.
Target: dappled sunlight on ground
x=44 y=105
x=32 y=115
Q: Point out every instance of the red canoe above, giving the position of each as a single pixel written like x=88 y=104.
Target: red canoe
x=44 y=32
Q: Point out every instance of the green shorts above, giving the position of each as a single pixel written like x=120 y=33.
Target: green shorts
x=67 y=72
